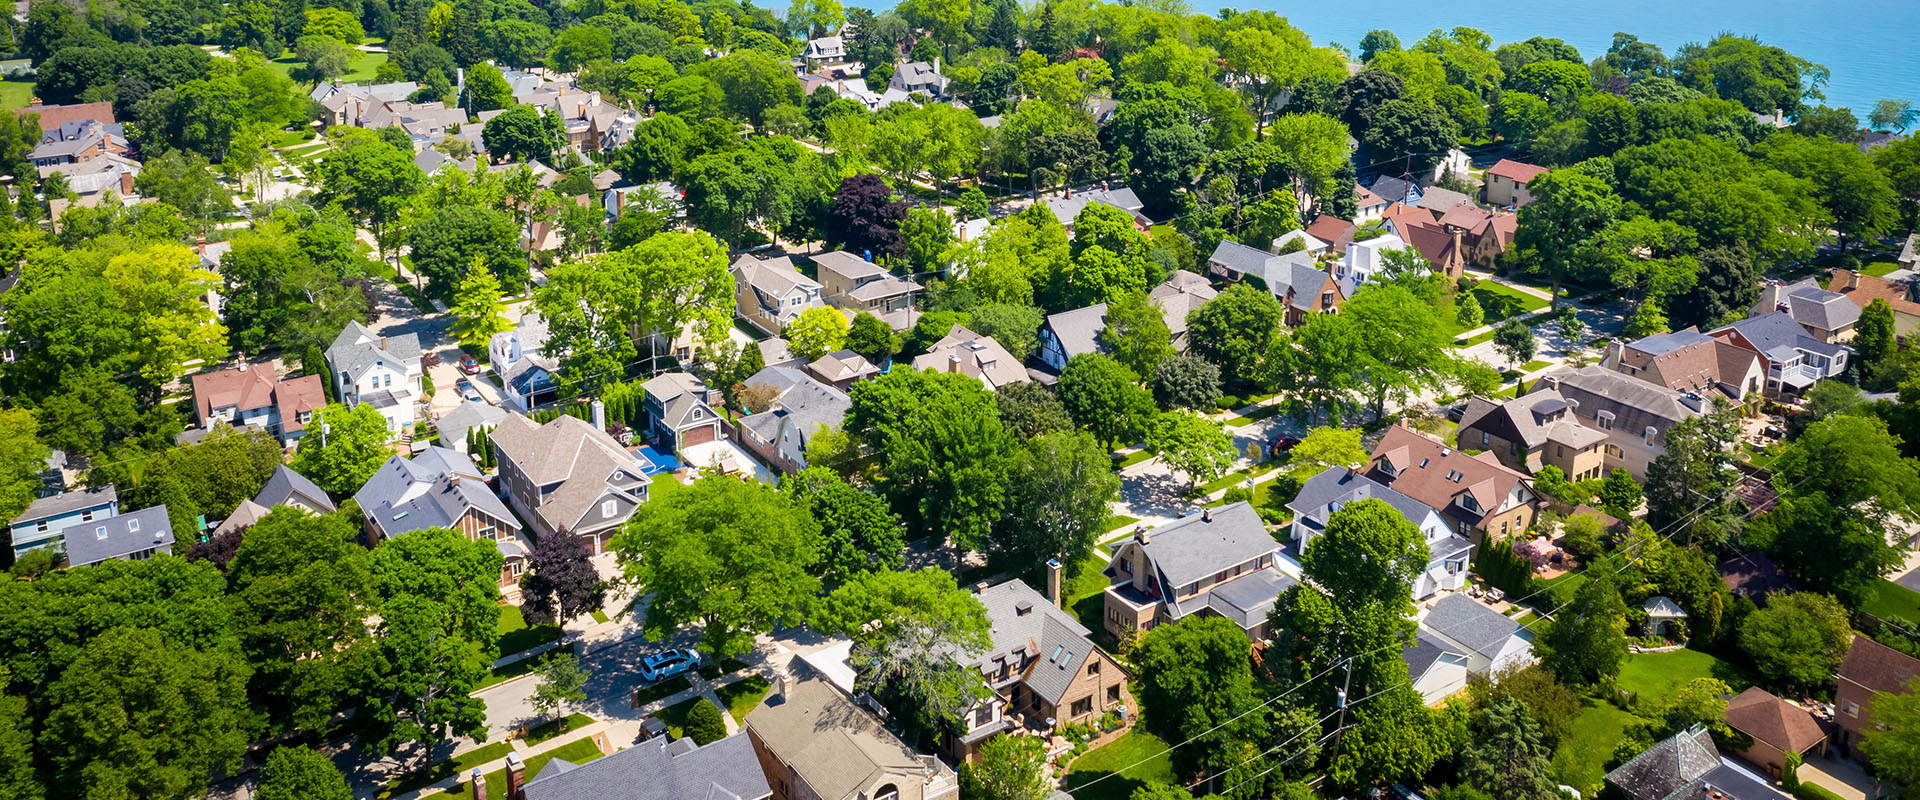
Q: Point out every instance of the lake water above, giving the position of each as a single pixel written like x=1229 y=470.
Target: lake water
x=1871 y=46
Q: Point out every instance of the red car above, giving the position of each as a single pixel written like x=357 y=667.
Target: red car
x=468 y=365
x=1281 y=444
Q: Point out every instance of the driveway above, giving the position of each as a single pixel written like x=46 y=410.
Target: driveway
x=1602 y=323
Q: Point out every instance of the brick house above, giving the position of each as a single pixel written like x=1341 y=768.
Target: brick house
x=1869 y=669
x=1219 y=562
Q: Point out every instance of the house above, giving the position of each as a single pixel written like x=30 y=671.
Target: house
x=657 y=769
x=1069 y=206
x=1689 y=361
x=1909 y=258
x=52 y=118
x=1478 y=640
x=1795 y=359
x=288 y=488
x=526 y=374
x=1754 y=576
x=1181 y=294
x=919 y=77
x=133 y=536
x=1435 y=668
x=1364 y=261
x=1336 y=232
x=1044 y=670
x=253 y=395
x=771 y=293
x=1482 y=236
x=969 y=353
x=815 y=742
x=774 y=352
x=1397 y=190
x=1326 y=493
x=679 y=412
x=383 y=371
x=352 y=103
x=1218 y=562
x=801 y=408
x=1687 y=766
x=92 y=181
x=47 y=517
x=440 y=488
x=1869 y=669
x=856 y=284
x=1367 y=204
x=1071 y=333
x=827 y=52
x=1827 y=316
x=841 y=369
x=1439 y=199
x=1507 y=183
x=78 y=142
x=568 y=476
x=1309 y=244
x=1478 y=496
x=1902 y=296
x=1587 y=422
x=464 y=419
x=1776 y=726
x=1293 y=278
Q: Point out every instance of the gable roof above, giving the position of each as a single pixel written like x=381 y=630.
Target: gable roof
x=258 y=387
x=434 y=489
x=1434 y=474
x=1862 y=288
x=1440 y=198
x=833 y=744
x=842 y=365
x=1336 y=232
x=1635 y=404
x=1516 y=171
x=1026 y=626
x=1065 y=209
x=973 y=354
x=1333 y=488
x=1423 y=653
x=1778 y=336
x=470 y=414
x=1757 y=713
x=802 y=403
x=1198 y=545
x=726 y=769
x=1668 y=768
x=358 y=347
x=285 y=484
x=1462 y=619
x=570 y=451
x=1877 y=667
x=67 y=503
x=1533 y=419
x=1178 y=296
x=117 y=536
x=1688 y=360
x=1756 y=577
x=1078 y=331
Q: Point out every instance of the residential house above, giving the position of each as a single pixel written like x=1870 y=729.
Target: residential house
x=1293 y=279
x=527 y=374
x=1587 y=421
x=771 y=293
x=441 y=488
x=1323 y=495
x=1472 y=640
x=592 y=124
x=253 y=395
x=1481 y=236
x=1439 y=199
x=856 y=284
x=1309 y=244
x=1687 y=766
x=1507 y=182
x=1827 y=316
x=1689 y=361
x=460 y=423
x=382 y=371
x=48 y=517
x=1181 y=294
x=1068 y=206
x=1795 y=359
x=828 y=53
x=1869 y=669
x=1777 y=728
x=52 y=118
x=1368 y=204
x=352 y=103
x=801 y=408
x=969 y=353
x=568 y=476
x=815 y=742
x=1336 y=232
x=77 y=142
x=919 y=77
x=1071 y=333
x=288 y=488
x=1397 y=190
x=658 y=769
x=1909 y=258
x=841 y=369
x=1902 y=296
x=133 y=536
x=1218 y=562
x=679 y=412
x=92 y=181
x=1478 y=496
x=1044 y=669
x=774 y=352
x=1365 y=260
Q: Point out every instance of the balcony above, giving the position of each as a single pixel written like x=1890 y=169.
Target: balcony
x=1798 y=376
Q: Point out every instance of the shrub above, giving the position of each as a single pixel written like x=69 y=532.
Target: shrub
x=1227 y=402
x=704 y=724
x=1237 y=494
x=1808 y=791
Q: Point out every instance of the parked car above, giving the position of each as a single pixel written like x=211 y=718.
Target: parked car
x=661 y=666
x=1281 y=443
x=467 y=392
x=468 y=365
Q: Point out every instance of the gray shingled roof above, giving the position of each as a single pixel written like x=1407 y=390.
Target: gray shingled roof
x=1078 y=331
x=1474 y=626
x=1246 y=599
x=1239 y=257
x=585 y=461
x=655 y=770
x=1829 y=311
x=432 y=490
x=802 y=402
x=1026 y=626
x=1667 y=768
x=470 y=414
x=285 y=484
x=118 y=536
x=1323 y=494
x=358 y=346
x=66 y=503
x=1186 y=550
x=1635 y=404
x=1779 y=336
x=1425 y=651
x=835 y=745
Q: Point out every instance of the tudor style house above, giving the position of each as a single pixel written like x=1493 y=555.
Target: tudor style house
x=1323 y=495
x=1293 y=279
x=383 y=371
x=568 y=476
x=679 y=412
x=1478 y=496
x=441 y=488
x=1044 y=670
x=770 y=293
x=1219 y=561
x=1690 y=361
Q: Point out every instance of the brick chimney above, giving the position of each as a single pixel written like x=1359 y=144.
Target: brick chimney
x=516 y=777
x=1206 y=515
x=783 y=683
x=126 y=183
x=1142 y=535
x=953 y=362
x=479 y=785
x=1053 y=581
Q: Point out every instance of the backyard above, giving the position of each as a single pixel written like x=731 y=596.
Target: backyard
x=1113 y=770
x=1654 y=676
x=578 y=752
x=15 y=93
x=1891 y=600
x=1581 y=760
x=360 y=66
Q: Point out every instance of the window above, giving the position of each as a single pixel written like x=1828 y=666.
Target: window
x=1484 y=440
x=1605 y=418
x=1648 y=434
x=1220 y=578
x=1081 y=707
x=1093 y=667
x=698 y=414
x=1113 y=694
x=1126 y=564
x=40 y=527
x=983 y=715
x=608 y=508
x=1853 y=709
x=1559 y=452
x=87 y=515
x=133 y=525
x=100 y=532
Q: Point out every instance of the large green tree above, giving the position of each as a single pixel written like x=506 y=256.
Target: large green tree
x=300 y=773
x=301 y=592
x=943 y=453
x=1104 y=397
x=905 y=626
x=857 y=531
x=1061 y=491
x=1586 y=642
x=1235 y=331
x=345 y=446
x=1195 y=685
x=1798 y=640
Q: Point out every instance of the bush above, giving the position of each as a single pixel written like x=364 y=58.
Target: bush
x=704 y=724
x=1808 y=791
x=1237 y=494
x=1227 y=402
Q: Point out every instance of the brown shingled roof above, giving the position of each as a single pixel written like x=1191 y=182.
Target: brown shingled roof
x=1434 y=474
x=1516 y=171
x=1336 y=232
x=1862 y=289
x=52 y=117
x=1757 y=713
x=1878 y=667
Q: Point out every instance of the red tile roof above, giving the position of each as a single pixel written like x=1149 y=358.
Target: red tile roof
x=1516 y=171
x=51 y=117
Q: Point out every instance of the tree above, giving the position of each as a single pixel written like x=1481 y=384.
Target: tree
x=487 y=89
x=300 y=589
x=22 y=457
x=1377 y=41
x=1195 y=684
x=1329 y=448
x=579 y=45
x=704 y=724
x=1834 y=549
x=1404 y=347
x=1418 y=132
x=1368 y=557
x=1102 y=397
x=561 y=682
x=1506 y=755
x=1893 y=745
x=1010 y=768
x=523 y=133
x=857 y=531
x=1850 y=459
x=1015 y=327
x=371 y=179
x=1873 y=336
x=865 y=218
x=1620 y=494
x=904 y=625
x=600 y=312
x=872 y=338
x=1568 y=211
x=1798 y=639
x=1467 y=312
x=1688 y=485
x=478 y=313
x=1586 y=641
x=1058 y=501
x=1361 y=97
x=326 y=58
x=458 y=238
x=1029 y=409
x=816 y=332
x=424 y=674
x=1137 y=334
x=300 y=773
x=1896 y=114
x=944 y=454
x=1515 y=341
x=346 y=448
x=1185 y=381
x=928 y=233
x=561 y=583
x=1192 y=444
x=1845 y=180
x=1235 y=331
x=734 y=557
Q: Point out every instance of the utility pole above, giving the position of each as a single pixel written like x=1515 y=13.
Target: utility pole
x=1341 y=703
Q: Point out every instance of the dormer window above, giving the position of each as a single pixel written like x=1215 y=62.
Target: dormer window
x=1648 y=434
x=1605 y=419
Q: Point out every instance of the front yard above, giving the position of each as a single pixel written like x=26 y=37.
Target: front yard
x=1113 y=770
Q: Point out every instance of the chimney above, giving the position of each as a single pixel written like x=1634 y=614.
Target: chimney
x=126 y=183
x=953 y=362
x=783 y=685
x=1142 y=535
x=516 y=777
x=200 y=244
x=1353 y=469
x=243 y=362
x=1053 y=581
x=1853 y=279
x=599 y=415
x=1616 y=350
x=1206 y=515
x=479 y=785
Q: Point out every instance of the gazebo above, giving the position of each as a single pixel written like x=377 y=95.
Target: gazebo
x=1661 y=611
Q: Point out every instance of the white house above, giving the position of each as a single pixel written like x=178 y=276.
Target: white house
x=526 y=374
x=383 y=371
x=1469 y=635
x=1364 y=259
x=1326 y=493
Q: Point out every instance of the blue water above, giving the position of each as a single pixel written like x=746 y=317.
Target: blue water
x=1871 y=46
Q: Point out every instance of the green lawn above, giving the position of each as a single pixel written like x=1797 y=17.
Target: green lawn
x=676 y=715
x=518 y=668
x=579 y=752
x=516 y=636
x=555 y=727
x=1581 y=760
x=744 y=695
x=19 y=94
x=1239 y=477
x=459 y=765
x=666 y=688
x=1562 y=589
x=1654 y=676
x=1133 y=458
x=1255 y=415
x=1117 y=521
x=360 y=67
x=1500 y=301
x=1876 y=268
x=1534 y=365
x=1893 y=600
x=1139 y=758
